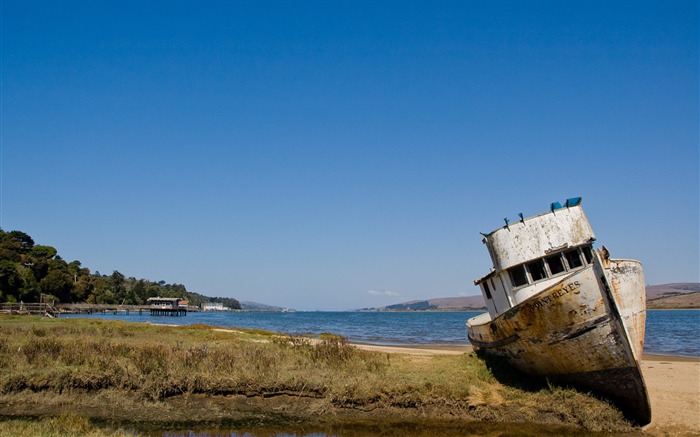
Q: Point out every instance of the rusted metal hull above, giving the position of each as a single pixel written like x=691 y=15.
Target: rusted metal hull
x=586 y=330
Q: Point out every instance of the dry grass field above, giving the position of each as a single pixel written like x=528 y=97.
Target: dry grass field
x=97 y=370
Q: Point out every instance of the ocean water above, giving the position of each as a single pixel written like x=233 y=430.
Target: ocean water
x=673 y=332
x=668 y=332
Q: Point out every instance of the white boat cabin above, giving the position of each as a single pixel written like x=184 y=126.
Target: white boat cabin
x=533 y=254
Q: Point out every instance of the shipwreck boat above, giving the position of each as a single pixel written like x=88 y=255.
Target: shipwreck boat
x=557 y=308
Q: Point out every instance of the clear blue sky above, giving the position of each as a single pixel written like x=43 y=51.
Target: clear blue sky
x=340 y=155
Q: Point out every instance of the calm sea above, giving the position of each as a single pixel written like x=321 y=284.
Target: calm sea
x=668 y=332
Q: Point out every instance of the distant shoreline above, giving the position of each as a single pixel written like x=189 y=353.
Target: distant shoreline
x=673 y=309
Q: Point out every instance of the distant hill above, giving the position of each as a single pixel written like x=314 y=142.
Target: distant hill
x=665 y=290
x=254 y=306
x=685 y=295
x=666 y=296
x=467 y=303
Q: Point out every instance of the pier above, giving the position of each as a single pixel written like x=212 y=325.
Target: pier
x=42 y=309
x=157 y=308
x=88 y=308
x=160 y=311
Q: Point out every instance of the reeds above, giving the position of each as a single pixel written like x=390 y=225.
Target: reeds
x=59 y=426
x=154 y=363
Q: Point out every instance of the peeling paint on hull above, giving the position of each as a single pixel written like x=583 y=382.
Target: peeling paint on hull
x=587 y=330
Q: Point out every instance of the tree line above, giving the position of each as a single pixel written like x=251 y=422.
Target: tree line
x=30 y=273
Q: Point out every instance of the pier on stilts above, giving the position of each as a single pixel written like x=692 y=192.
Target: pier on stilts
x=40 y=309
x=161 y=311
x=157 y=306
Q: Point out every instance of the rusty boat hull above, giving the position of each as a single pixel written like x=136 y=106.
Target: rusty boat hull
x=586 y=330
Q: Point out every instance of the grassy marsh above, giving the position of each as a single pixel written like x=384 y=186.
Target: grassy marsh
x=58 y=426
x=113 y=370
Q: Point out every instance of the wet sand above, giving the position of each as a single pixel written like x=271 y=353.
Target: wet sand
x=673 y=384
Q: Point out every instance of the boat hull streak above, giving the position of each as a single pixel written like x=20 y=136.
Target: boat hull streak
x=583 y=331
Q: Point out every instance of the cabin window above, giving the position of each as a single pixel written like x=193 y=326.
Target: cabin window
x=556 y=264
x=573 y=258
x=487 y=291
x=518 y=277
x=536 y=269
x=588 y=254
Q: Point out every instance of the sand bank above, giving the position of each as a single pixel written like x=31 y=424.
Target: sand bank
x=673 y=384
x=416 y=350
x=674 y=390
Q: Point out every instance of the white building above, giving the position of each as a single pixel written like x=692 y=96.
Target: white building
x=210 y=306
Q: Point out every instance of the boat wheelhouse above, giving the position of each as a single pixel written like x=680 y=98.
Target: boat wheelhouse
x=529 y=258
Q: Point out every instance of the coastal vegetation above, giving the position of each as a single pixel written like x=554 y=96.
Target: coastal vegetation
x=130 y=372
x=31 y=272
x=59 y=426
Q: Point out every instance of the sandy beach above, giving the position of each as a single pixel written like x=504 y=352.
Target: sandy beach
x=674 y=389
x=673 y=384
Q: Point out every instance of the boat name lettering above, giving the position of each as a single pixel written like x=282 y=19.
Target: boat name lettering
x=566 y=289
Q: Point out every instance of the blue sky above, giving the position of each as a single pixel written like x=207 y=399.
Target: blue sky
x=340 y=155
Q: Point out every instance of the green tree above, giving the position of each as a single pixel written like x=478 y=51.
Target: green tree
x=10 y=247
x=59 y=284
x=100 y=292
x=140 y=291
x=118 y=284
x=43 y=252
x=25 y=240
x=9 y=255
x=10 y=281
x=29 y=291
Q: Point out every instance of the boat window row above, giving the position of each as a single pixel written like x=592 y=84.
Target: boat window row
x=549 y=266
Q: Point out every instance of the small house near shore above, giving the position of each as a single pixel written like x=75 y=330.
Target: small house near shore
x=166 y=306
